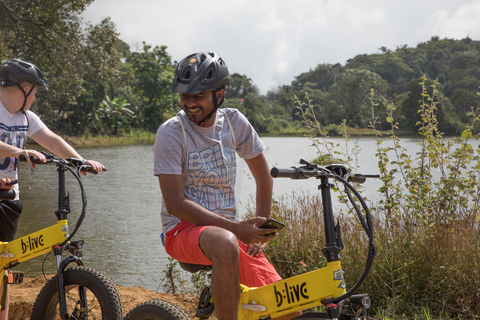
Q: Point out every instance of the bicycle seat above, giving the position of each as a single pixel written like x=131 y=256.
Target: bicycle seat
x=193 y=268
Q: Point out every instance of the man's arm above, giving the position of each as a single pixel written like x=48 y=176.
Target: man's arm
x=182 y=207
x=53 y=142
x=7 y=150
x=264 y=184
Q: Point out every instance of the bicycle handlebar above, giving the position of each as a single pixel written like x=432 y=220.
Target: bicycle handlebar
x=342 y=174
x=312 y=170
x=71 y=162
x=74 y=166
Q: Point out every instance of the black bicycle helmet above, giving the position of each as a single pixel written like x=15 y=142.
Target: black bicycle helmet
x=14 y=72
x=200 y=72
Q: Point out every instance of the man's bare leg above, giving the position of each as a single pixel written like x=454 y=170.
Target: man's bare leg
x=221 y=247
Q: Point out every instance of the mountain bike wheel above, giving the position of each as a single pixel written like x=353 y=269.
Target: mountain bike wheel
x=102 y=299
x=157 y=310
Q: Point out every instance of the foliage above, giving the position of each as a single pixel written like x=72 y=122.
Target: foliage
x=153 y=74
x=426 y=226
x=73 y=58
x=172 y=277
x=85 y=63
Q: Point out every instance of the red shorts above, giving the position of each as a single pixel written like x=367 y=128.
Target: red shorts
x=182 y=244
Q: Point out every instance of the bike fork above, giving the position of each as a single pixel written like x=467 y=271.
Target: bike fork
x=61 y=265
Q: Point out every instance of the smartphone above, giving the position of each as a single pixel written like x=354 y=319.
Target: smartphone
x=271 y=223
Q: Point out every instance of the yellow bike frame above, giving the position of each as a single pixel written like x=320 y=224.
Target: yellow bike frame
x=293 y=294
x=32 y=245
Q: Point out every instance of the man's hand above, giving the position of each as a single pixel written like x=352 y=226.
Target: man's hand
x=97 y=166
x=257 y=238
x=4 y=184
x=32 y=153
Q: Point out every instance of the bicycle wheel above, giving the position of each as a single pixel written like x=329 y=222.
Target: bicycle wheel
x=157 y=310
x=102 y=299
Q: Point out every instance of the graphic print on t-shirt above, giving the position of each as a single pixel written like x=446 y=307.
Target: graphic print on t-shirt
x=14 y=136
x=211 y=175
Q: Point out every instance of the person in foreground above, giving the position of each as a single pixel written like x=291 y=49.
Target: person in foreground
x=19 y=82
x=194 y=159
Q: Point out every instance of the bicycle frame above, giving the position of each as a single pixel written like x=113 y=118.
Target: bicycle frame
x=55 y=237
x=303 y=291
x=325 y=286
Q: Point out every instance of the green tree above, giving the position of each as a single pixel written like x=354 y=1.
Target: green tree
x=153 y=75
x=114 y=116
x=51 y=35
x=240 y=86
x=351 y=93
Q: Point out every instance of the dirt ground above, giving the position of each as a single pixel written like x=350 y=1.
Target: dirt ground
x=22 y=297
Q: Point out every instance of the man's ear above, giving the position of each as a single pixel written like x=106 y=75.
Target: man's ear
x=26 y=86
x=220 y=95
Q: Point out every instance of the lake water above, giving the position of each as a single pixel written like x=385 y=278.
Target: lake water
x=122 y=226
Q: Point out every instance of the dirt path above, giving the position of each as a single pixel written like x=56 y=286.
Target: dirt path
x=23 y=296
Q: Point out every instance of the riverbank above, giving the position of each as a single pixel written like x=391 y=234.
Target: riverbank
x=22 y=298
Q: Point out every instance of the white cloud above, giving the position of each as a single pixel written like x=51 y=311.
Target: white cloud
x=463 y=22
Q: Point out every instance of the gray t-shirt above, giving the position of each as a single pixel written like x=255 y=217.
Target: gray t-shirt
x=205 y=157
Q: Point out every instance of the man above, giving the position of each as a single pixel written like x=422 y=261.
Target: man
x=19 y=82
x=196 y=166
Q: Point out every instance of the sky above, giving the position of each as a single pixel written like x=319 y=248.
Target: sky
x=273 y=41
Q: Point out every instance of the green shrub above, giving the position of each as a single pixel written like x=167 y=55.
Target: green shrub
x=427 y=229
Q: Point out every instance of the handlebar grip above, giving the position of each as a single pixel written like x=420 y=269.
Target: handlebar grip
x=33 y=159
x=7 y=194
x=90 y=169
x=358 y=179
x=284 y=173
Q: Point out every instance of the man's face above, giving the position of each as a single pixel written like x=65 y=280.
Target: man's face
x=198 y=106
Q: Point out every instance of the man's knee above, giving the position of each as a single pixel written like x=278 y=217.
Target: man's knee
x=219 y=245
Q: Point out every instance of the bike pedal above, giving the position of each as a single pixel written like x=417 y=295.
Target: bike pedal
x=15 y=277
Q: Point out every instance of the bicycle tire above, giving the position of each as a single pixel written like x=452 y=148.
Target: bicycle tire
x=103 y=299
x=157 y=310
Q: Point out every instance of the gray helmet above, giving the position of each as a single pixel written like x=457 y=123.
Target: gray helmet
x=200 y=72
x=14 y=72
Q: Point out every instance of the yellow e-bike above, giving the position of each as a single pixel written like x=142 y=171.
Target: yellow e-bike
x=76 y=292
x=325 y=286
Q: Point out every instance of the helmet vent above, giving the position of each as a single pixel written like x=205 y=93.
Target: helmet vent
x=39 y=74
x=25 y=65
x=210 y=74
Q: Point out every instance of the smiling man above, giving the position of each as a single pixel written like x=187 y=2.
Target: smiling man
x=196 y=167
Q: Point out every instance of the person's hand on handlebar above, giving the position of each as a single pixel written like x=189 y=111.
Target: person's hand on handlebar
x=5 y=184
x=97 y=166
x=32 y=153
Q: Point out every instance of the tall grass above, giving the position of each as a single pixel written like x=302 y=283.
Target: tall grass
x=426 y=225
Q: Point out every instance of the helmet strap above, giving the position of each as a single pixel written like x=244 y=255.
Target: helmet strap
x=216 y=105
x=25 y=94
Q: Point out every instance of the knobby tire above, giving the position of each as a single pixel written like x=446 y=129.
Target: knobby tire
x=103 y=299
x=157 y=310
